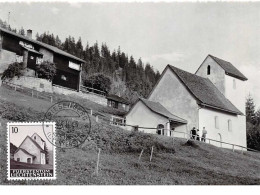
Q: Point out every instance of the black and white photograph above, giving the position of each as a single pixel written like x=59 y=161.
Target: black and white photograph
x=139 y=93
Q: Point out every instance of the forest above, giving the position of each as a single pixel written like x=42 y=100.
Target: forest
x=126 y=76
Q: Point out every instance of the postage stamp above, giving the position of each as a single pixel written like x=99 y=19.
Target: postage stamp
x=30 y=154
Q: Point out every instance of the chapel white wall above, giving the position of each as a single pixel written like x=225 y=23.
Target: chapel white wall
x=236 y=95
x=236 y=136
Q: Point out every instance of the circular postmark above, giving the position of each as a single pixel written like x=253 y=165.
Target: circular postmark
x=73 y=124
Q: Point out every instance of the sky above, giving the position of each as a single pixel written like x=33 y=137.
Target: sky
x=180 y=34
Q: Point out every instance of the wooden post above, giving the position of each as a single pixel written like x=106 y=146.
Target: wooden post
x=151 y=154
x=233 y=148
x=140 y=155
x=15 y=88
x=51 y=99
x=209 y=141
x=97 y=118
x=112 y=119
x=98 y=161
x=91 y=112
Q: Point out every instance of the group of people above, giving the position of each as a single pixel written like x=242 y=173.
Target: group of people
x=196 y=136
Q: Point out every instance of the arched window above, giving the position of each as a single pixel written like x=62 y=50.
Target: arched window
x=160 y=129
x=234 y=84
x=229 y=125
x=208 y=70
x=216 y=122
x=35 y=137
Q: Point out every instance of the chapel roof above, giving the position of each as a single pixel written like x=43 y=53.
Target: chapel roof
x=204 y=91
x=229 y=68
x=160 y=109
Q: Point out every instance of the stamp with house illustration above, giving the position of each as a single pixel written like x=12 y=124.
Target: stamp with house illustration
x=30 y=155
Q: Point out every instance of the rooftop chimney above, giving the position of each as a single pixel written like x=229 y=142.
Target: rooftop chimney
x=29 y=33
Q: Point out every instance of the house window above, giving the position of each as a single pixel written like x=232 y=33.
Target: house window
x=35 y=137
x=74 y=66
x=63 y=77
x=208 y=70
x=234 y=84
x=114 y=104
x=160 y=129
x=229 y=125
x=216 y=122
x=18 y=159
x=41 y=85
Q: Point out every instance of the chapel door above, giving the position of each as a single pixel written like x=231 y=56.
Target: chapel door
x=29 y=160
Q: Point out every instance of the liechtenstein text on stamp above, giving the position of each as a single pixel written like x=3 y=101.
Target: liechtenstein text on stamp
x=30 y=155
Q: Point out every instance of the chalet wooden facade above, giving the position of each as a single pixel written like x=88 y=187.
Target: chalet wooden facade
x=117 y=102
x=18 y=48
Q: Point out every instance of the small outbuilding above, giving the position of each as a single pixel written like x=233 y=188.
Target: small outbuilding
x=117 y=102
x=155 y=118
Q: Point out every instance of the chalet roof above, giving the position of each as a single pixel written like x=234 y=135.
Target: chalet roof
x=229 y=68
x=205 y=92
x=32 y=50
x=24 y=152
x=117 y=98
x=160 y=109
x=49 y=47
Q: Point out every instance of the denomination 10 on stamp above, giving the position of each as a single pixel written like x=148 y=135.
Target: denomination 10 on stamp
x=30 y=155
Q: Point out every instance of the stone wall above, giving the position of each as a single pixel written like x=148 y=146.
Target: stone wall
x=102 y=100
x=6 y=58
x=38 y=84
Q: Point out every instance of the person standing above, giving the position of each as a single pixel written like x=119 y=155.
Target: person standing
x=198 y=135
x=193 y=133
x=204 y=133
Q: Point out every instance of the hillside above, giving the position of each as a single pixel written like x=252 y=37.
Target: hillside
x=174 y=161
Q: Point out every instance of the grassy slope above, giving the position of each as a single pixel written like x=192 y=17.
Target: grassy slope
x=204 y=164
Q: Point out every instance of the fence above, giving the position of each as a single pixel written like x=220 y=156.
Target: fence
x=85 y=89
x=30 y=92
x=173 y=133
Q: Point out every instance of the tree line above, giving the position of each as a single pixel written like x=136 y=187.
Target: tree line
x=252 y=124
x=129 y=78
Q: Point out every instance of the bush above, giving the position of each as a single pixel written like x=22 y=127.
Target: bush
x=14 y=69
x=12 y=112
x=46 y=70
x=115 y=140
x=98 y=81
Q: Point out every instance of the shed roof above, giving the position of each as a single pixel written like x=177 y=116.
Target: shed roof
x=229 y=68
x=205 y=92
x=49 y=47
x=160 y=109
x=117 y=98
x=24 y=152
